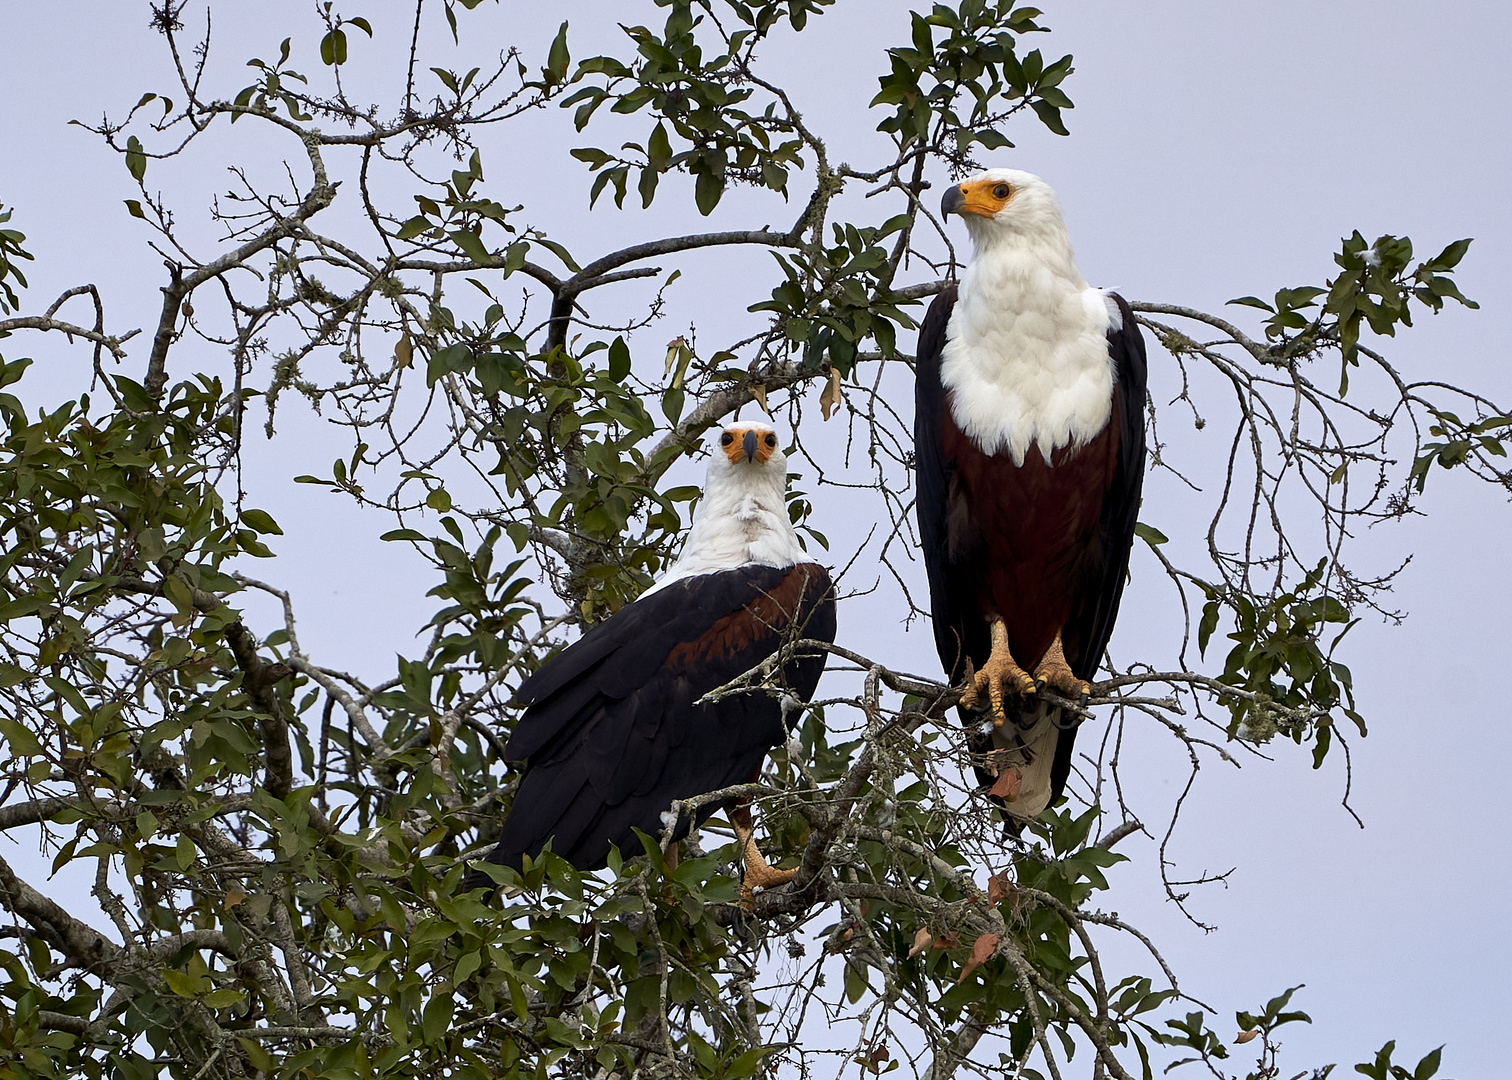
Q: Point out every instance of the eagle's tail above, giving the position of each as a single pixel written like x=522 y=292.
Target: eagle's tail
x=1017 y=762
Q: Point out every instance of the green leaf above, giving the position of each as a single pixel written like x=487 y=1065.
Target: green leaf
x=1450 y=257
x=452 y=360
x=1429 y=1065
x=466 y=965
x=261 y=521
x=472 y=246
x=1208 y=624
x=708 y=189
x=659 y=148
x=649 y=178
x=412 y=228
x=672 y=405
x=181 y=984
x=592 y=155
x=559 y=251
x=136 y=159
x=436 y=1020
x=1150 y=535
x=1050 y=116
x=184 y=852
x=223 y=998
x=619 y=360
x=261 y=1060
x=21 y=741
x=558 y=59
x=333 y=48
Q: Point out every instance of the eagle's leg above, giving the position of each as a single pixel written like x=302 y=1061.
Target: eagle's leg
x=1055 y=673
x=758 y=872
x=1000 y=671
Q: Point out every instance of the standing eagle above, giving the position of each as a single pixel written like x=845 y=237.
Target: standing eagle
x=613 y=732
x=1029 y=443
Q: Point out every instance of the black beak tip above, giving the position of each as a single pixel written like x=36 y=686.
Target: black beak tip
x=952 y=200
x=749 y=446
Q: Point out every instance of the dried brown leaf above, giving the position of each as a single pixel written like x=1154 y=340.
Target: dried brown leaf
x=981 y=952
x=830 y=400
x=404 y=352
x=674 y=346
x=759 y=393
x=948 y=940
x=1008 y=781
x=920 y=942
x=999 y=888
x=1246 y=1036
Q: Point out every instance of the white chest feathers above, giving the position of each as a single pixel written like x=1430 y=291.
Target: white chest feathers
x=1026 y=356
x=742 y=519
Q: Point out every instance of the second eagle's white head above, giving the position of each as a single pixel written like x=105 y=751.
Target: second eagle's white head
x=743 y=516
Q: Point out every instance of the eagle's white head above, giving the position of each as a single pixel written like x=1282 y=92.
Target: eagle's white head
x=1012 y=208
x=748 y=447
x=743 y=516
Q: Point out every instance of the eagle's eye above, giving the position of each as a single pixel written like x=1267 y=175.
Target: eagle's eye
x=726 y=439
x=1002 y=191
x=771 y=440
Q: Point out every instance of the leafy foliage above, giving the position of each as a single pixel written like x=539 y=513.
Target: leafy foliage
x=10 y=251
x=276 y=845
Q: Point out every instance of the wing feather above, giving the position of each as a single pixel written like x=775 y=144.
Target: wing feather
x=1120 y=509
x=1120 y=513
x=934 y=473
x=611 y=734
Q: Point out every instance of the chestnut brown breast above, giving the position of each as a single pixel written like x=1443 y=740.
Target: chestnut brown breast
x=1030 y=534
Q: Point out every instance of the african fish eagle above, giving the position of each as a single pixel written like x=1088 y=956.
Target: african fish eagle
x=613 y=732
x=1029 y=447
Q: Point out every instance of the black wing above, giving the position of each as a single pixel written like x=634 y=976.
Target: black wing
x=956 y=623
x=1120 y=511
x=611 y=735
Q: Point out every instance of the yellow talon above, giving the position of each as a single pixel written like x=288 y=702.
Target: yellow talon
x=1054 y=672
x=1000 y=673
x=758 y=873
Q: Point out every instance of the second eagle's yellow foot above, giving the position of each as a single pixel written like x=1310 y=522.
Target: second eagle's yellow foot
x=998 y=676
x=760 y=874
x=757 y=873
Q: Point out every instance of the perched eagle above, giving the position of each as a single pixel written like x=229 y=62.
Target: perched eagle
x=1029 y=443
x=612 y=731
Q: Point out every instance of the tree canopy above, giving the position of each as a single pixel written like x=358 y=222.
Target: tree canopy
x=277 y=843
